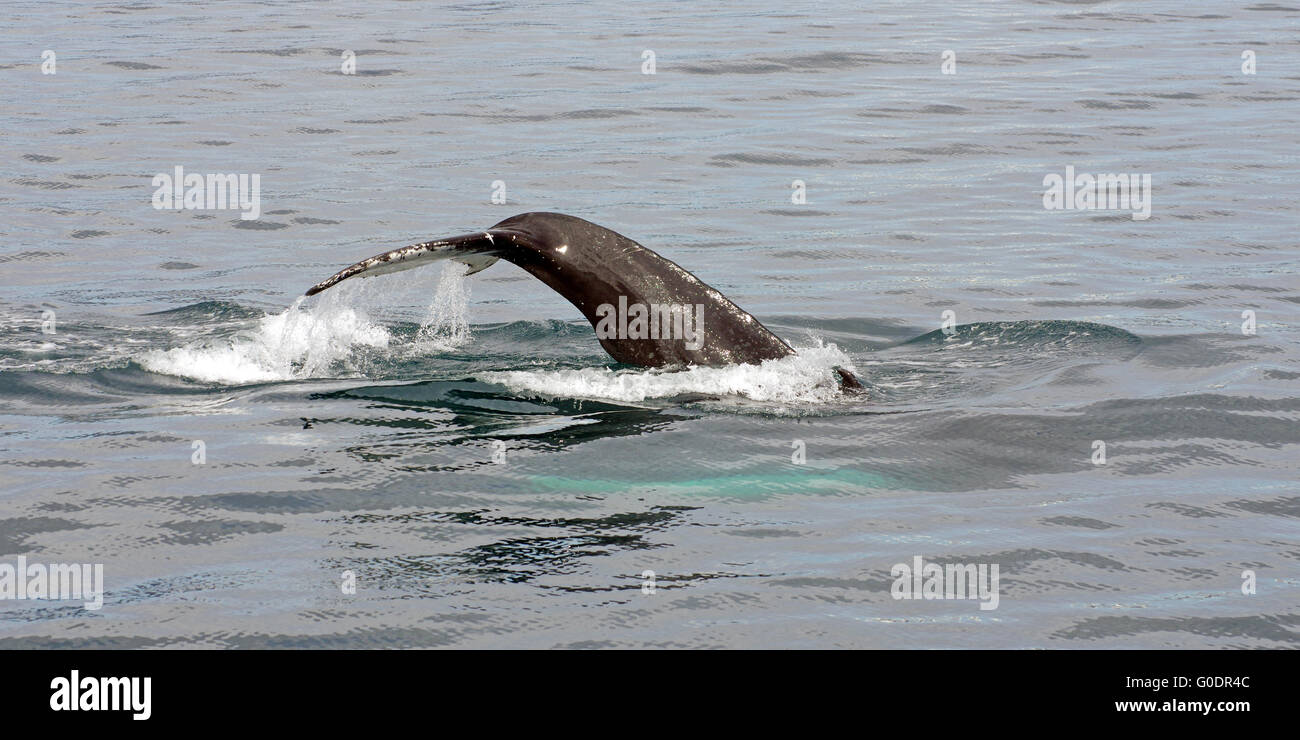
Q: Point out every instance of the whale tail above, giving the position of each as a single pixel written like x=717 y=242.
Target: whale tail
x=475 y=250
x=646 y=310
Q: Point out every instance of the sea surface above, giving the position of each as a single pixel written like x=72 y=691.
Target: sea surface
x=1107 y=409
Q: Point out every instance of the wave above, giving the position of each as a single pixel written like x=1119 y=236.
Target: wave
x=805 y=377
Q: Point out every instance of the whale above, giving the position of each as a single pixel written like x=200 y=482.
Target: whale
x=646 y=310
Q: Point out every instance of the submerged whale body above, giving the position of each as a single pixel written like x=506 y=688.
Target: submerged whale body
x=646 y=310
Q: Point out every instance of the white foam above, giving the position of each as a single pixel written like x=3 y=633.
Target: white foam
x=806 y=377
x=327 y=339
x=296 y=343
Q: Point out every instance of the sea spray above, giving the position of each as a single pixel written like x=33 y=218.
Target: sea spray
x=299 y=342
x=332 y=336
x=445 y=324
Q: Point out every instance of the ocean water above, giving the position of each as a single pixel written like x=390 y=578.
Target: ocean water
x=462 y=452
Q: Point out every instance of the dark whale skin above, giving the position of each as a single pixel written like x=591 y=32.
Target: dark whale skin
x=599 y=265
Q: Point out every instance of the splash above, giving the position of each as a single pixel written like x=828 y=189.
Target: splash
x=805 y=377
x=298 y=342
x=334 y=337
x=445 y=324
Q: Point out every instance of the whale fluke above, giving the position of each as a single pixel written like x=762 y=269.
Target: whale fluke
x=646 y=310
